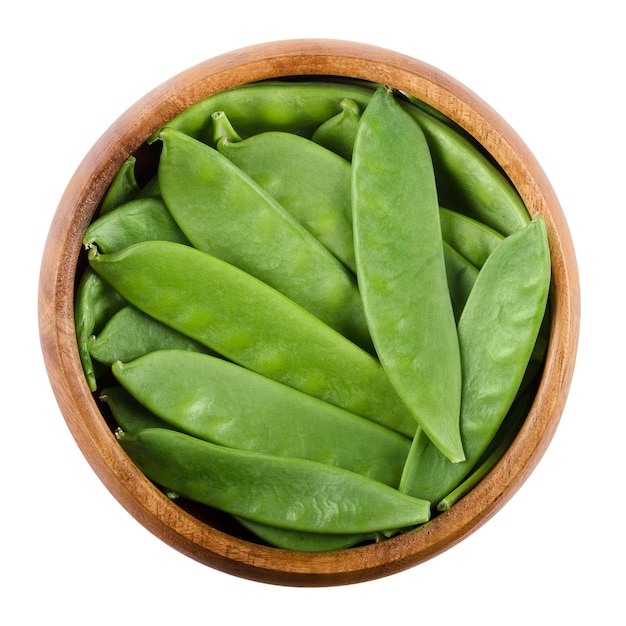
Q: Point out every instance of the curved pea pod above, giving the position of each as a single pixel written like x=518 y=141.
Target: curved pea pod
x=293 y=106
x=229 y=405
x=497 y=333
x=131 y=333
x=401 y=268
x=294 y=494
x=472 y=239
x=123 y=187
x=339 y=132
x=467 y=180
x=95 y=302
x=138 y=220
x=305 y=541
x=130 y=415
x=248 y=322
x=226 y=213
x=310 y=182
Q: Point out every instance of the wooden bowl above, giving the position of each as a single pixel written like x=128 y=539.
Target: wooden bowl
x=211 y=540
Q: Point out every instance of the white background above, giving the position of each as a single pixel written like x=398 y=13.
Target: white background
x=555 y=71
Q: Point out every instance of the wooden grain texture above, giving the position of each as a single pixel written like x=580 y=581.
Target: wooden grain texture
x=210 y=543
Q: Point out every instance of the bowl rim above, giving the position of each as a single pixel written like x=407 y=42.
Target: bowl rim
x=179 y=529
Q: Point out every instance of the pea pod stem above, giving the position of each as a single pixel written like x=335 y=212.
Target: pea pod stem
x=253 y=325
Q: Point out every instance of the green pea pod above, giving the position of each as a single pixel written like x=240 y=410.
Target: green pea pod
x=131 y=333
x=497 y=333
x=401 y=268
x=123 y=187
x=496 y=450
x=310 y=182
x=224 y=212
x=95 y=302
x=305 y=541
x=129 y=414
x=224 y=403
x=461 y=276
x=472 y=239
x=294 y=494
x=339 y=132
x=467 y=180
x=293 y=106
x=252 y=324
x=137 y=220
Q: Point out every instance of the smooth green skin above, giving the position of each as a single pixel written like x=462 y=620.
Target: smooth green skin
x=226 y=213
x=304 y=541
x=130 y=415
x=497 y=333
x=401 y=269
x=461 y=275
x=292 y=106
x=339 y=132
x=95 y=302
x=224 y=403
x=501 y=443
x=468 y=181
x=131 y=333
x=138 y=220
x=123 y=187
x=311 y=182
x=295 y=494
x=473 y=239
x=253 y=325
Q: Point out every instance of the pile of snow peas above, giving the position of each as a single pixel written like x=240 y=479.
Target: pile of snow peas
x=318 y=307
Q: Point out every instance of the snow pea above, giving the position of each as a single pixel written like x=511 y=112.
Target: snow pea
x=309 y=181
x=130 y=415
x=461 y=276
x=295 y=494
x=95 y=302
x=401 y=268
x=497 y=334
x=293 y=106
x=226 y=213
x=123 y=187
x=471 y=238
x=131 y=333
x=468 y=181
x=339 y=132
x=136 y=220
x=221 y=402
x=252 y=324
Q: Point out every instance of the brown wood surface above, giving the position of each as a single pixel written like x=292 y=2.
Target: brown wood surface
x=200 y=539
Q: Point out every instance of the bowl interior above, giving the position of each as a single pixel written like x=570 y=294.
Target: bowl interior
x=208 y=536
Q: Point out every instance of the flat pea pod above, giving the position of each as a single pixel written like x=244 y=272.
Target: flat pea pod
x=472 y=239
x=497 y=333
x=467 y=180
x=136 y=220
x=131 y=333
x=401 y=268
x=123 y=187
x=251 y=324
x=305 y=541
x=130 y=415
x=226 y=213
x=226 y=404
x=310 y=182
x=95 y=302
x=293 y=106
x=339 y=132
x=294 y=494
